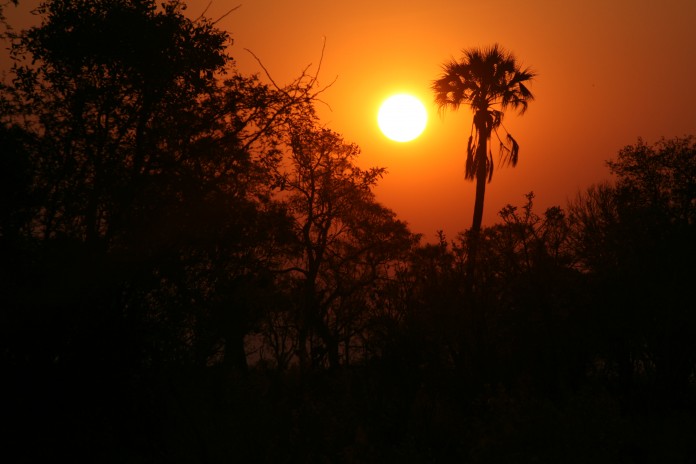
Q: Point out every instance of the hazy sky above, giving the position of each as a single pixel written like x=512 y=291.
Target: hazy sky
x=608 y=73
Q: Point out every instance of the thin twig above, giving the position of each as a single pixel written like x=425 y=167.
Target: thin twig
x=268 y=74
x=230 y=11
x=204 y=11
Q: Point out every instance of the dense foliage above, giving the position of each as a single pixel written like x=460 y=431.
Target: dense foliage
x=194 y=269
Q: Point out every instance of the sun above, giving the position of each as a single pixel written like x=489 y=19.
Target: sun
x=402 y=117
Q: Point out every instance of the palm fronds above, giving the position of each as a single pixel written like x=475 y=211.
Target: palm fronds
x=514 y=151
x=469 y=171
x=488 y=80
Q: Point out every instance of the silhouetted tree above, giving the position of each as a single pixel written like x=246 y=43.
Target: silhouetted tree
x=345 y=241
x=635 y=239
x=488 y=81
x=141 y=193
x=105 y=103
x=145 y=157
x=533 y=297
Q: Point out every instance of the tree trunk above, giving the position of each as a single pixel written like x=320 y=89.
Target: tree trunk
x=482 y=122
x=481 y=175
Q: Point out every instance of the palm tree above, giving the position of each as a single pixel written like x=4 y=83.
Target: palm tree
x=489 y=81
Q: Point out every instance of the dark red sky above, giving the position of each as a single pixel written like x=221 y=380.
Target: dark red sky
x=609 y=72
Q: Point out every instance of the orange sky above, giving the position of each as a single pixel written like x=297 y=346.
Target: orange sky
x=609 y=72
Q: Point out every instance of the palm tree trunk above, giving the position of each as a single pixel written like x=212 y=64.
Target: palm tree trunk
x=478 y=322
x=481 y=175
x=481 y=157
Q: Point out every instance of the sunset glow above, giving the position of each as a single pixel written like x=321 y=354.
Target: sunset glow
x=403 y=48
x=563 y=142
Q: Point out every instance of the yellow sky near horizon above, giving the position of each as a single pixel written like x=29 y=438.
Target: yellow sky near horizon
x=609 y=71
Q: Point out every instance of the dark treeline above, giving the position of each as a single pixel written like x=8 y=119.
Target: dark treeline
x=195 y=270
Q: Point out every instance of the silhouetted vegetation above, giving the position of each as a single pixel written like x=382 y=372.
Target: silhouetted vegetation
x=194 y=269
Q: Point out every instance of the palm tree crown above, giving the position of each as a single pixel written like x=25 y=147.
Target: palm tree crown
x=482 y=79
x=489 y=81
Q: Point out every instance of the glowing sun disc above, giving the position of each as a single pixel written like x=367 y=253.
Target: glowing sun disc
x=402 y=117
